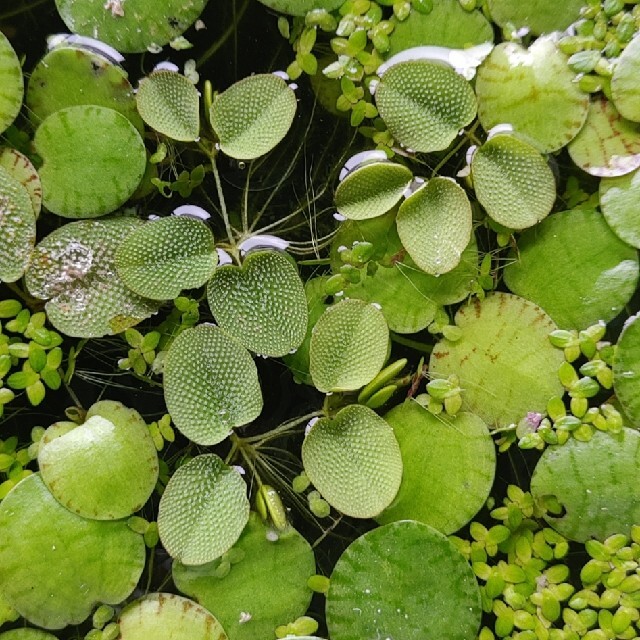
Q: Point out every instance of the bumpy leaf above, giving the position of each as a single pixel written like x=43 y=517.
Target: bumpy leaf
x=626 y=369
x=625 y=91
x=619 y=199
x=11 y=83
x=301 y=7
x=537 y=16
x=19 y=167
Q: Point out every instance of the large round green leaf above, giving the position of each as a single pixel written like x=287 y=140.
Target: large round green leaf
x=11 y=83
x=434 y=224
x=114 y=448
x=210 y=384
x=578 y=278
x=348 y=346
x=262 y=304
x=504 y=360
x=532 y=90
x=56 y=566
x=161 y=258
x=626 y=369
x=203 y=510
x=74 y=269
x=625 y=91
x=354 y=461
x=26 y=634
x=93 y=158
x=536 y=16
x=425 y=104
x=596 y=482
x=448 y=466
x=20 y=167
x=404 y=580
x=253 y=115
x=619 y=199
x=301 y=7
x=265 y=588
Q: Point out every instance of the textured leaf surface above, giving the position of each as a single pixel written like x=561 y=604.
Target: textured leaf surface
x=11 y=83
x=113 y=448
x=74 y=269
x=597 y=483
x=301 y=7
x=448 y=466
x=538 y=16
x=26 y=634
x=167 y=615
x=513 y=182
x=619 y=199
x=577 y=278
x=203 y=510
x=354 y=461
x=67 y=564
x=269 y=583
x=626 y=369
x=161 y=258
x=425 y=104
x=504 y=360
x=20 y=168
x=169 y=103
x=625 y=90
x=403 y=580
x=532 y=90
x=210 y=384
x=434 y=224
x=93 y=161
x=608 y=145
x=261 y=304
x=253 y=115
x=348 y=346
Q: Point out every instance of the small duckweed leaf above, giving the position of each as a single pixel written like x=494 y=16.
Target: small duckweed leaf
x=534 y=91
x=619 y=199
x=625 y=91
x=210 y=384
x=433 y=490
x=608 y=145
x=253 y=115
x=11 y=83
x=203 y=510
x=169 y=103
x=626 y=369
x=348 y=346
x=354 y=461
x=74 y=269
x=592 y=276
x=301 y=7
x=434 y=224
x=513 y=182
x=372 y=190
x=26 y=634
x=67 y=564
x=269 y=583
x=167 y=615
x=161 y=258
x=93 y=161
x=597 y=483
x=504 y=360
x=403 y=580
x=535 y=16
x=425 y=104
x=115 y=449
x=20 y=168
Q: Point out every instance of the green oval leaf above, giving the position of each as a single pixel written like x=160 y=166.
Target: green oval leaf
x=536 y=16
x=626 y=369
x=18 y=166
x=26 y=634
x=301 y=7
x=619 y=199
x=11 y=83
x=625 y=92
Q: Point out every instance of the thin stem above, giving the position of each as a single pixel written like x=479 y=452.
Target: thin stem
x=18 y=10
x=414 y=344
x=30 y=301
x=73 y=395
x=258 y=441
x=229 y=31
x=223 y=204
x=315 y=262
x=152 y=555
x=469 y=135
x=327 y=531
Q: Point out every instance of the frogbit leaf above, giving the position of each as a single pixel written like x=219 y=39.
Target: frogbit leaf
x=18 y=166
x=301 y=7
x=624 y=82
x=626 y=369
x=535 y=16
x=11 y=83
x=619 y=199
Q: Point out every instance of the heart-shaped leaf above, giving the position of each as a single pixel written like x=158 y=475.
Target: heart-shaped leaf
x=619 y=199
x=301 y=7
x=536 y=16
x=626 y=369
x=625 y=92
x=354 y=461
x=11 y=83
x=203 y=510
x=261 y=304
x=18 y=166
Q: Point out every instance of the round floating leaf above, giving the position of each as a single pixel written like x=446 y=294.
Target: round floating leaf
x=372 y=190
x=203 y=510
x=354 y=461
x=161 y=258
x=71 y=76
x=26 y=634
x=504 y=360
x=434 y=490
x=577 y=278
x=597 y=483
x=261 y=304
x=434 y=224
x=74 y=267
x=17 y=227
x=55 y=575
x=608 y=145
x=267 y=587
x=169 y=103
x=532 y=90
x=253 y=115
x=425 y=104
x=166 y=615
x=619 y=199
x=131 y=26
x=403 y=580
x=536 y=16
x=93 y=161
x=625 y=91
x=301 y=7
x=348 y=346
x=626 y=369
x=11 y=83
x=210 y=384
x=513 y=182
x=115 y=450
x=19 y=167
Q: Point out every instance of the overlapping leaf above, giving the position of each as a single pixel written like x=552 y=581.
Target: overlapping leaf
x=11 y=83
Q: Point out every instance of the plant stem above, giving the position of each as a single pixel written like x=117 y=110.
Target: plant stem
x=18 y=10
x=30 y=301
x=258 y=441
x=408 y=342
x=469 y=136
x=317 y=261
x=223 y=204
x=229 y=31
